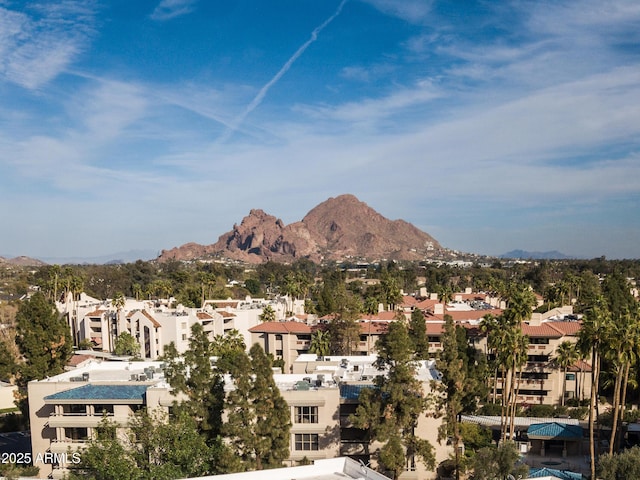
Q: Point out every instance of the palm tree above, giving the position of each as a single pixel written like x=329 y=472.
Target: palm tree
x=591 y=338
x=268 y=314
x=320 y=343
x=566 y=356
x=622 y=347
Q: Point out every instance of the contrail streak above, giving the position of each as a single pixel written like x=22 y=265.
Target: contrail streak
x=263 y=91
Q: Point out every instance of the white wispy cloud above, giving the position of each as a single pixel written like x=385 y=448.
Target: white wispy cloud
x=168 y=9
x=257 y=100
x=415 y=11
x=38 y=44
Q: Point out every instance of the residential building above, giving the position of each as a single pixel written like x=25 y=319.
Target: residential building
x=66 y=409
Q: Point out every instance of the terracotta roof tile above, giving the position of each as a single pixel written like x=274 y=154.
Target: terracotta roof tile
x=203 y=316
x=281 y=327
x=379 y=316
x=153 y=320
x=567 y=328
x=373 y=328
x=95 y=313
x=545 y=330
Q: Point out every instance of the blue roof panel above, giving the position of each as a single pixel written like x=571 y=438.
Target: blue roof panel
x=554 y=430
x=552 y=472
x=102 y=392
x=352 y=392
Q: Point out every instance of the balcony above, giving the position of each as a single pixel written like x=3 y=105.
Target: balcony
x=63 y=446
x=82 y=420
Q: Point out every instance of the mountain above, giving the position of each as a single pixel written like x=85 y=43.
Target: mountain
x=338 y=228
x=523 y=254
x=129 y=256
x=22 y=261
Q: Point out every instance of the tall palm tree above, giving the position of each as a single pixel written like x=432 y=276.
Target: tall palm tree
x=566 y=356
x=623 y=343
x=591 y=338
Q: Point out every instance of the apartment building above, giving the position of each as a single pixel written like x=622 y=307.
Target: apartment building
x=65 y=410
x=284 y=340
x=541 y=382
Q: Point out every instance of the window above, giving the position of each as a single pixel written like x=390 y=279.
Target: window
x=278 y=337
x=184 y=336
x=76 y=434
x=570 y=376
x=101 y=410
x=74 y=409
x=538 y=341
x=306 y=414
x=306 y=441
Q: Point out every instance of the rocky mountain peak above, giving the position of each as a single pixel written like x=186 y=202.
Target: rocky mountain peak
x=339 y=227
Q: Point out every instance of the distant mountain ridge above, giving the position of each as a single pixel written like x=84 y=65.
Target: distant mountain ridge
x=338 y=228
x=525 y=255
x=22 y=261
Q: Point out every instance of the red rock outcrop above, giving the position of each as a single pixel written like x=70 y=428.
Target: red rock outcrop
x=337 y=228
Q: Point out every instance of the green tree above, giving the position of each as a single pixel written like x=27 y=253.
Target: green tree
x=154 y=448
x=259 y=419
x=620 y=466
x=126 y=344
x=106 y=457
x=389 y=412
x=194 y=376
x=268 y=314
x=452 y=386
x=591 y=338
x=498 y=463
x=418 y=334
x=43 y=339
x=166 y=448
x=320 y=343
x=566 y=356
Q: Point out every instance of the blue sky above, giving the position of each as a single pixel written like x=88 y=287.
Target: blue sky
x=149 y=124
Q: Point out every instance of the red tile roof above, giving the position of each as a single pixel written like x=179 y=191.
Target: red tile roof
x=380 y=316
x=545 y=330
x=566 y=328
x=281 y=327
x=153 y=320
x=580 y=366
x=78 y=359
x=95 y=313
x=373 y=328
x=203 y=316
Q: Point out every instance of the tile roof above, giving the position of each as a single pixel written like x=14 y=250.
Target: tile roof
x=545 y=330
x=95 y=313
x=566 y=328
x=580 y=366
x=380 y=316
x=77 y=359
x=428 y=303
x=203 y=316
x=375 y=328
x=554 y=473
x=554 y=430
x=408 y=301
x=102 y=392
x=153 y=320
x=281 y=327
